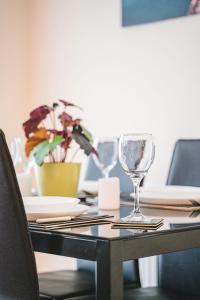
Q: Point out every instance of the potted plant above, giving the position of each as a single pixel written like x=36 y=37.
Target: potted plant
x=52 y=133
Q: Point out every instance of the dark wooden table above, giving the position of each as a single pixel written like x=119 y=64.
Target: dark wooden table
x=110 y=247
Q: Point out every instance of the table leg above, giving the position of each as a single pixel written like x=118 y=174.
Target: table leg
x=109 y=273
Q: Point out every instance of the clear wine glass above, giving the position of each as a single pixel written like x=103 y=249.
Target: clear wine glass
x=136 y=154
x=107 y=149
x=17 y=154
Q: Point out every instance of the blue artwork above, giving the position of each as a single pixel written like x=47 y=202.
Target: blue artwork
x=145 y=11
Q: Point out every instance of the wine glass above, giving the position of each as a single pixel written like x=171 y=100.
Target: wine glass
x=136 y=154
x=107 y=149
x=17 y=152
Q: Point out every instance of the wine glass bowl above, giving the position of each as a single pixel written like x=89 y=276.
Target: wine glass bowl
x=107 y=149
x=136 y=154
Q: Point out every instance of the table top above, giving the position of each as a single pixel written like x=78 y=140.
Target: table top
x=184 y=220
x=111 y=247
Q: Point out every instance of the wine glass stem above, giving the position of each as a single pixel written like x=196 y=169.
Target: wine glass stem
x=136 y=185
x=105 y=174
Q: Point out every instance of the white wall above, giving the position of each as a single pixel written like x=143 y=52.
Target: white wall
x=14 y=49
x=143 y=78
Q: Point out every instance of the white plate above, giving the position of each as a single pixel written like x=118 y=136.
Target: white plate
x=171 y=195
x=75 y=211
x=49 y=200
x=53 y=207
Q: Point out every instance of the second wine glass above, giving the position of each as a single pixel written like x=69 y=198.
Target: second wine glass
x=136 y=154
x=107 y=149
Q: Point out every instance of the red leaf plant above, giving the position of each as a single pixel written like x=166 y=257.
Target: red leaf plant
x=50 y=131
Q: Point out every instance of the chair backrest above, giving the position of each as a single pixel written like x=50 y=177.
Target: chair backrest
x=93 y=173
x=185 y=163
x=180 y=270
x=18 y=276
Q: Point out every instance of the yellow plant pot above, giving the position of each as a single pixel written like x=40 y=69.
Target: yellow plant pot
x=59 y=179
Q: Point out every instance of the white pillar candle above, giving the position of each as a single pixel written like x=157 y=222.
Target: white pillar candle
x=25 y=183
x=109 y=193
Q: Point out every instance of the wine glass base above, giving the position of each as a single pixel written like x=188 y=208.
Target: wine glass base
x=133 y=217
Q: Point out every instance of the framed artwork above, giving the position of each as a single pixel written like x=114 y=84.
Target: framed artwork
x=136 y=12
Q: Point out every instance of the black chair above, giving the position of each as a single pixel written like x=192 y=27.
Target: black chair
x=179 y=275
x=185 y=163
x=18 y=275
